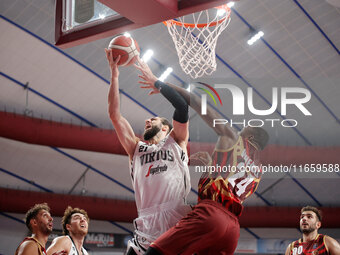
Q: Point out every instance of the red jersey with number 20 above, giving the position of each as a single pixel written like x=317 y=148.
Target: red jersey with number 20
x=314 y=247
x=232 y=177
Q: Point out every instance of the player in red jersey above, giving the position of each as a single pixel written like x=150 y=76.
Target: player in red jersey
x=39 y=221
x=212 y=227
x=312 y=243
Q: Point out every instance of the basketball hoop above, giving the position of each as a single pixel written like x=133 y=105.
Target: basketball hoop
x=195 y=42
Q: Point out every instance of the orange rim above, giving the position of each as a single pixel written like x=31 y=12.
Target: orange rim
x=200 y=25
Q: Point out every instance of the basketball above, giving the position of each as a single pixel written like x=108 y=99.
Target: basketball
x=126 y=47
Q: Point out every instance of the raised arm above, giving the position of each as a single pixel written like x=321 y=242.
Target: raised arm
x=195 y=103
x=180 y=130
x=123 y=128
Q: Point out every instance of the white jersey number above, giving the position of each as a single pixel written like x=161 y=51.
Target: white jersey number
x=241 y=186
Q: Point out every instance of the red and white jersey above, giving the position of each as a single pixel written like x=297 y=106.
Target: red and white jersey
x=159 y=173
x=314 y=247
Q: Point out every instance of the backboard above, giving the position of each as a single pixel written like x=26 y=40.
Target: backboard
x=81 y=21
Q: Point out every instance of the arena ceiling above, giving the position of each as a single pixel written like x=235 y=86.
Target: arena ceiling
x=300 y=48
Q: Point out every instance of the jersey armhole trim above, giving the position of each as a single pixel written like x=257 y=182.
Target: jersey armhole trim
x=291 y=246
x=324 y=241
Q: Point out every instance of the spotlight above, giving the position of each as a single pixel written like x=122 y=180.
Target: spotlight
x=255 y=37
x=165 y=74
x=147 y=55
x=230 y=4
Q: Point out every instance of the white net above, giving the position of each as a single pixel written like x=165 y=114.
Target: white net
x=195 y=42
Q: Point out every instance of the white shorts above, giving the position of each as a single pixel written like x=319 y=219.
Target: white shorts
x=154 y=221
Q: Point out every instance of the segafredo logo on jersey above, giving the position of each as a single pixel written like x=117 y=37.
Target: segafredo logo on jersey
x=288 y=96
x=156 y=170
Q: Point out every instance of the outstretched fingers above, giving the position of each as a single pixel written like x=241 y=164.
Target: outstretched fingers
x=138 y=67
x=153 y=92
x=142 y=77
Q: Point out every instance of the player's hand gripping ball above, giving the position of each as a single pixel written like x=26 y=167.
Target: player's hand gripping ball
x=126 y=47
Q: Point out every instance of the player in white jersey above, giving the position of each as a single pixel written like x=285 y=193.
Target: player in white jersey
x=160 y=177
x=75 y=227
x=159 y=167
x=74 y=251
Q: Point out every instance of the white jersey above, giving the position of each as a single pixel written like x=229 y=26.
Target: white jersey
x=161 y=180
x=73 y=250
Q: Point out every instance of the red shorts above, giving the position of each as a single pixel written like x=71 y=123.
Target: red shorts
x=208 y=229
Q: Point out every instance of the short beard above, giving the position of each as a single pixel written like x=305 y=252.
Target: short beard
x=150 y=133
x=46 y=230
x=308 y=230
